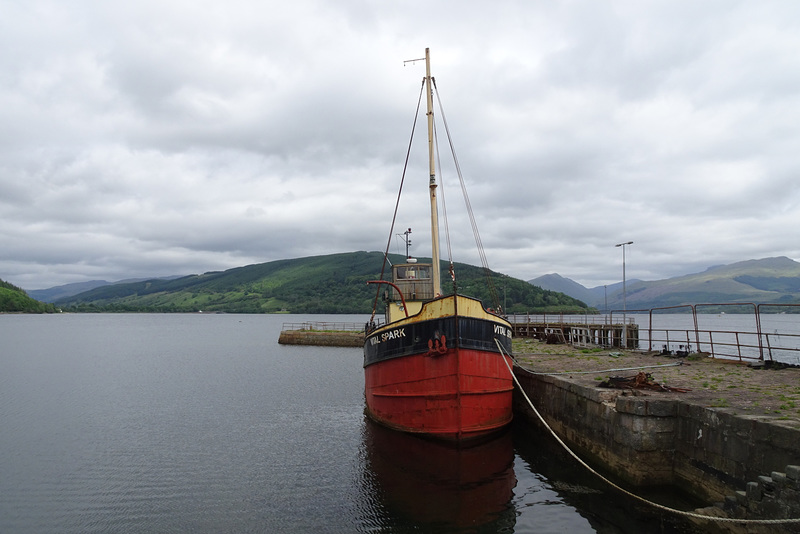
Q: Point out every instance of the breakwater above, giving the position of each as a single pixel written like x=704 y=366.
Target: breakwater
x=322 y=334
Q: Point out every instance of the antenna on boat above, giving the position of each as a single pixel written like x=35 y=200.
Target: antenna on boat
x=413 y=60
x=407 y=240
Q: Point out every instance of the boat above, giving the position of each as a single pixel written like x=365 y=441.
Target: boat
x=440 y=365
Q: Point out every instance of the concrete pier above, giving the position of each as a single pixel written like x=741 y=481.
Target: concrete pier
x=608 y=335
x=322 y=334
x=321 y=339
x=746 y=458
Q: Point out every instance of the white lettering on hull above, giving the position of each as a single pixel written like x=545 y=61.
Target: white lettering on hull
x=502 y=331
x=386 y=336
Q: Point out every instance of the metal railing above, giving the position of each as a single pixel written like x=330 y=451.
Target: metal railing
x=561 y=318
x=745 y=342
x=752 y=344
x=323 y=326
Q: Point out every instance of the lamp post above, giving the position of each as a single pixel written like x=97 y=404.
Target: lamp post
x=624 y=294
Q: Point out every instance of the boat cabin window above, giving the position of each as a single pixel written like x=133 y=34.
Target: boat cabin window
x=412 y=272
x=414 y=280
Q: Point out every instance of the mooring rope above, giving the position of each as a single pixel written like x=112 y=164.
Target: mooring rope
x=623 y=490
x=610 y=370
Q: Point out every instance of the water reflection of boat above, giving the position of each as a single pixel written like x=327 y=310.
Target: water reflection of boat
x=427 y=483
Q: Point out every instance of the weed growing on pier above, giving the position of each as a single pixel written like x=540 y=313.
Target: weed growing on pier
x=788 y=402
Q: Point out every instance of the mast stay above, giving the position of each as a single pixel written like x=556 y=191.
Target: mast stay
x=429 y=86
x=478 y=243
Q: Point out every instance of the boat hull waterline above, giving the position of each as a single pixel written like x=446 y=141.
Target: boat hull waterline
x=441 y=373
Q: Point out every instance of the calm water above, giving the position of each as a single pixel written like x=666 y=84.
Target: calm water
x=203 y=423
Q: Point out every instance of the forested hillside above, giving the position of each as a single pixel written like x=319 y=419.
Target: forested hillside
x=14 y=299
x=334 y=283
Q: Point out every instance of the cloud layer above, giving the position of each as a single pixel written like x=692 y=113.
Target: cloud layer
x=160 y=138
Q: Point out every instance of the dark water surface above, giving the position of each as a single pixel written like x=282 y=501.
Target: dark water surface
x=203 y=423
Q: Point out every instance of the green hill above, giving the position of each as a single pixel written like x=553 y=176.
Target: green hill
x=14 y=300
x=320 y=284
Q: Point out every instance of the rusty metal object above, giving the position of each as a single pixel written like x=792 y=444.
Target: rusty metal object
x=641 y=380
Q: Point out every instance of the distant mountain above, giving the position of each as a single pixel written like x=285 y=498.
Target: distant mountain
x=764 y=281
x=14 y=300
x=594 y=297
x=68 y=290
x=334 y=283
x=555 y=282
x=61 y=292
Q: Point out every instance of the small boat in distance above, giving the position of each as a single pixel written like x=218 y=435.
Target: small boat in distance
x=440 y=365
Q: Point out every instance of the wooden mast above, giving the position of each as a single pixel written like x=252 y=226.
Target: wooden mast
x=436 y=275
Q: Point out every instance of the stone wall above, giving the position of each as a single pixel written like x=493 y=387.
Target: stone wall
x=774 y=496
x=647 y=441
x=628 y=436
x=720 y=450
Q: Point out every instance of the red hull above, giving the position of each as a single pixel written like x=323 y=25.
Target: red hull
x=462 y=394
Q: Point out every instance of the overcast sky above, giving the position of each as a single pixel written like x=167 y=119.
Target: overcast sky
x=156 y=138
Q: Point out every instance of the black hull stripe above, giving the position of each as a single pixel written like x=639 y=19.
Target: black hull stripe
x=389 y=342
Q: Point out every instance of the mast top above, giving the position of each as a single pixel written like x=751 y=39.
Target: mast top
x=427 y=55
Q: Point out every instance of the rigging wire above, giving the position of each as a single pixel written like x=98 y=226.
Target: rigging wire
x=451 y=270
x=478 y=242
x=397 y=202
x=476 y=234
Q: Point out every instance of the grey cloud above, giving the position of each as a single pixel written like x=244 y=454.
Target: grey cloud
x=153 y=138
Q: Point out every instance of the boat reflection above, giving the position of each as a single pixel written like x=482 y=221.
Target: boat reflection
x=422 y=483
